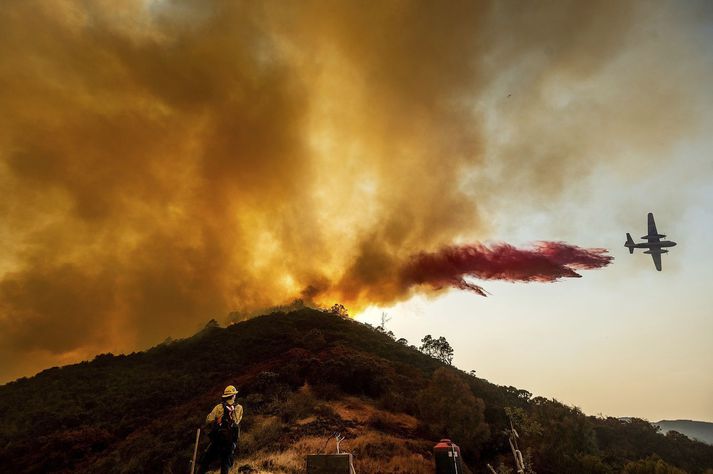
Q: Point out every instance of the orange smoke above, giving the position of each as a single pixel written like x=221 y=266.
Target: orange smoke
x=163 y=163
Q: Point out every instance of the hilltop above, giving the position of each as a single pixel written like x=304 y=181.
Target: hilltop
x=302 y=376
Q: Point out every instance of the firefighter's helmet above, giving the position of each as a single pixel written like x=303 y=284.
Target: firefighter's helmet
x=229 y=391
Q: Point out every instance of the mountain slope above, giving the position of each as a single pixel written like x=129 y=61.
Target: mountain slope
x=700 y=430
x=303 y=376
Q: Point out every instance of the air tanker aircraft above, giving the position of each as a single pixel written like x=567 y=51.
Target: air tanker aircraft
x=654 y=245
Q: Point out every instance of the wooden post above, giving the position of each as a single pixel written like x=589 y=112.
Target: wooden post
x=195 y=451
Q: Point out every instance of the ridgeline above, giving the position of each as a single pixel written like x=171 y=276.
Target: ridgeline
x=303 y=376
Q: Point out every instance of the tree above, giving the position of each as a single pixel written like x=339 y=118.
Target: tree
x=385 y=332
x=448 y=408
x=437 y=348
x=339 y=310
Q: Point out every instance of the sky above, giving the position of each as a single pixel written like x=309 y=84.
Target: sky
x=163 y=163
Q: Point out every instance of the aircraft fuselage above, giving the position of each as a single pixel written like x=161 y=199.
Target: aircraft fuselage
x=653 y=245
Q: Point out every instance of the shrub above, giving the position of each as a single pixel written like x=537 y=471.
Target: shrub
x=651 y=465
x=327 y=391
x=398 y=402
x=298 y=405
x=264 y=433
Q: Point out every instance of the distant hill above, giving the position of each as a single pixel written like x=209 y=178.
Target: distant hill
x=700 y=430
x=303 y=376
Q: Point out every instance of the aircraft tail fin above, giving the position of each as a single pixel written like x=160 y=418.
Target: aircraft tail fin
x=629 y=243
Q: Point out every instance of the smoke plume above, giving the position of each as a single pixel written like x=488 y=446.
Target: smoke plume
x=164 y=162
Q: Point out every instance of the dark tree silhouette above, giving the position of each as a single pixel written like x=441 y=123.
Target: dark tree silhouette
x=448 y=408
x=339 y=310
x=437 y=348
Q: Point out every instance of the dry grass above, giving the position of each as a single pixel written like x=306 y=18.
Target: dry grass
x=354 y=409
x=286 y=462
x=373 y=439
x=289 y=463
x=410 y=464
x=374 y=453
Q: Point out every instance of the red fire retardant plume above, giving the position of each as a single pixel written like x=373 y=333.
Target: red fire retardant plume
x=546 y=262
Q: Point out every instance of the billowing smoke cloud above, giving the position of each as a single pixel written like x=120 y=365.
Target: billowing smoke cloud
x=547 y=262
x=167 y=162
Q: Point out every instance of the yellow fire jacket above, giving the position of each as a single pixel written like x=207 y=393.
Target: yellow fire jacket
x=217 y=414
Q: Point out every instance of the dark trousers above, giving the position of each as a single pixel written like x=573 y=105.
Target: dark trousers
x=222 y=451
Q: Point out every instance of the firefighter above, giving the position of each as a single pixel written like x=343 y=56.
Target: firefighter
x=224 y=432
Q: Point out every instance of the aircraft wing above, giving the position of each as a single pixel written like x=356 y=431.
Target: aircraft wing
x=657 y=260
x=653 y=235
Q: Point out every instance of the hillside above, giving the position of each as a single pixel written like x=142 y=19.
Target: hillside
x=700 y=430
x=303 y=376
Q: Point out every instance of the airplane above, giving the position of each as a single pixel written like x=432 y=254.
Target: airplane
x=654 y=245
